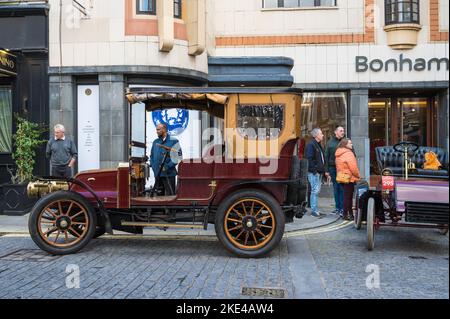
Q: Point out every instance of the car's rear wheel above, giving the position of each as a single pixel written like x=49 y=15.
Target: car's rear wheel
x=250 y=223
x=370 y=223
x=62 y=223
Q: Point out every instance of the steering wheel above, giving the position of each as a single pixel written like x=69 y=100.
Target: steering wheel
x=410 y=147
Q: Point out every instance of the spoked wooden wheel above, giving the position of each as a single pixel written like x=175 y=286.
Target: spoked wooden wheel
x=62 y=222
x=249 y=223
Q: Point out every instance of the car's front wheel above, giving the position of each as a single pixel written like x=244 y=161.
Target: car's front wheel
x=62 y=223
x=250 y=223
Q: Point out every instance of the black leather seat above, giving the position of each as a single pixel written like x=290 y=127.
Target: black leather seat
x=387 y=157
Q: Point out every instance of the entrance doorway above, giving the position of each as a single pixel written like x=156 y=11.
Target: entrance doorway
x=393 y=119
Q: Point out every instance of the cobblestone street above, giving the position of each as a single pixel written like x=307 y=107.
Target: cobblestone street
x=329 y=264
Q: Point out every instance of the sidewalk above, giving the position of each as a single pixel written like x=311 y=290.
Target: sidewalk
x=19 y=224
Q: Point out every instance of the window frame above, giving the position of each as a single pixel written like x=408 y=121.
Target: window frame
x=10 y=88
x=389 y=4
x=247 y=137
x=180 y=5
x=317 y=4
x=176 y=15
x=150 y=12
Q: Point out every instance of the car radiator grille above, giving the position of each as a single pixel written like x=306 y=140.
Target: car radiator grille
x=427 y=213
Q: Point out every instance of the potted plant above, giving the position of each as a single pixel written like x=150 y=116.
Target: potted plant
x=26 y=140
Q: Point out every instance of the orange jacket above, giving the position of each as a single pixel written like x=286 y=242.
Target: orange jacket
x=346 y=162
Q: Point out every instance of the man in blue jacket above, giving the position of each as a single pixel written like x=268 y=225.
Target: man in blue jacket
x=159 y=147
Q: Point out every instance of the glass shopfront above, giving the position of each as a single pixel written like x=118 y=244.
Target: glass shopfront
x=393 y=119
x=325 y=110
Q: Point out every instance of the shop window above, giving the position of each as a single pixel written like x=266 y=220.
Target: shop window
x=146 y=7
x=324 y=110
x=401 y=11
x=298 y=3
x=260 y=121
x=149 y=7
x=5 y=120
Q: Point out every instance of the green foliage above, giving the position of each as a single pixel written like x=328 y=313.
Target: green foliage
x=25 y=142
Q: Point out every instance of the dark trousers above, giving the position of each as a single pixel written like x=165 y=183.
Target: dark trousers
x=62 y=171
x=348 y=198
x=168 y=184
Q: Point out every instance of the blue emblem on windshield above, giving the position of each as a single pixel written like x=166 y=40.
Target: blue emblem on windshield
x=177 y=120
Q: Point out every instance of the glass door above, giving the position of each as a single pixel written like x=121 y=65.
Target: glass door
x=413 y=126
x=394 y=119
x=379 y=127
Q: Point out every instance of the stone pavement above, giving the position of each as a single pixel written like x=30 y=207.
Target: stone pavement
x=19 y=224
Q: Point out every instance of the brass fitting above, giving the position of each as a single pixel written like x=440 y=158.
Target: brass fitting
x=40 y=188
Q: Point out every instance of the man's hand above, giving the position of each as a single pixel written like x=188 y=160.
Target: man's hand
x=71 y=163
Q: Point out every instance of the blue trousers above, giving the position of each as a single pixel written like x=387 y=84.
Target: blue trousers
x=338 y=190
x=315 y=180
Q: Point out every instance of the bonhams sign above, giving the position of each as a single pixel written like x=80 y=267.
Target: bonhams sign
x=400 y=64
x=8 y=63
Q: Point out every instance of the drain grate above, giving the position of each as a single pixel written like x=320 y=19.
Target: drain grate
x=264 y=292
x=29 y=255
x=417 y=257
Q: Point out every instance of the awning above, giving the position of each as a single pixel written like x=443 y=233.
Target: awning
x=212 y=103
x=8 y=63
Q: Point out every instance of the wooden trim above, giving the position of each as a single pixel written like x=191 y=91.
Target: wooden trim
x=368 y=36
x=435 y=34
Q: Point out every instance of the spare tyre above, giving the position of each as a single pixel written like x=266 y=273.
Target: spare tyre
x=297 y=193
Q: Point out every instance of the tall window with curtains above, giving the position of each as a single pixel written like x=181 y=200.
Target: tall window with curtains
x=5 y=120
x=401 y=11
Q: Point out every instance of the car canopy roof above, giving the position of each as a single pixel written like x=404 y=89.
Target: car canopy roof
x=211 y=100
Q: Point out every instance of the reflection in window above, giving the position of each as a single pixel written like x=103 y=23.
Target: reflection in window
x=298 y=3
x=177 y=9
x=325 y=110
x=401 y=11
x=260 y=121
x=5 y=120
x=146 y=7
x=149 y=7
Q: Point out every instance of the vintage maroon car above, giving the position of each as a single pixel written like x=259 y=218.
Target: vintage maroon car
x=249 y=186
x=408 y=195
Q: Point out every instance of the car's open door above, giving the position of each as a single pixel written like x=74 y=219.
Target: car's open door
x=137 y=149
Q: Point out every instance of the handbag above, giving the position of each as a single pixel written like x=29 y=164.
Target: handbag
x=343 y=178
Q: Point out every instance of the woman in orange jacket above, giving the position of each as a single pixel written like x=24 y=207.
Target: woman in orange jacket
x=346 y=163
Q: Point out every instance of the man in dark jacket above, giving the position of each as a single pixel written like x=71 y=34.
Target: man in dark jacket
x=62 y=153
x=316 y=168
x=160 y=146
x=330 y=167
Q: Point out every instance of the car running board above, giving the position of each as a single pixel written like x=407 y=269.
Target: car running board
x=166 y=225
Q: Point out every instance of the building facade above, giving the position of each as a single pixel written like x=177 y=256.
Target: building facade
x=377 y=67
x=100 y=48
x=23 y=75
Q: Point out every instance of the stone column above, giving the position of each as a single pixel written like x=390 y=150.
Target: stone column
x=359 y=129
x=113 y=120
x=62 y=104
x=443 y=120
